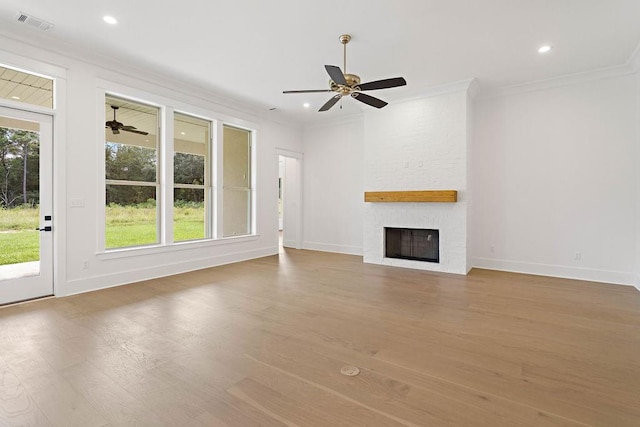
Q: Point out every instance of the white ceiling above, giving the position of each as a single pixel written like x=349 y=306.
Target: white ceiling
x=254 y=49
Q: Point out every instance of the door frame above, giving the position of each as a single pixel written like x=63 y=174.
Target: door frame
x=297 y=213
x=58 y=158
x=40 y=285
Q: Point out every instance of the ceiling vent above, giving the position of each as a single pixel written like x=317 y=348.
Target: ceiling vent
x=34 y=22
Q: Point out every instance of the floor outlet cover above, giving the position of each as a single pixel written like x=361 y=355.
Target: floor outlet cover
x=350 y=371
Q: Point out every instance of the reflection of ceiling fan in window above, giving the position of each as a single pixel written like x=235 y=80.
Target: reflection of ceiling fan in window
x=344 y=84
x=116 y=126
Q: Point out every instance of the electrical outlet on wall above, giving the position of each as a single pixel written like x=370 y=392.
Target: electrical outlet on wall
x=578 y=256
x=85 y=264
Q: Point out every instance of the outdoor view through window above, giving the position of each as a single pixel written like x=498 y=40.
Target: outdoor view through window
x=191 y=176
x=131 y=158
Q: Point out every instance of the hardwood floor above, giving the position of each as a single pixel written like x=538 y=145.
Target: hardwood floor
x=262 y=343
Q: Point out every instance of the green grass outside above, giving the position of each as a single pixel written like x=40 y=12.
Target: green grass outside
x=126 y=226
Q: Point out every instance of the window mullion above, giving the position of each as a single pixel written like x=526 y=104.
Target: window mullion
x=166 y=177
x=218 y=183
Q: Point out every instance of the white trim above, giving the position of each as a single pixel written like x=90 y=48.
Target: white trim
x=335 y=121
x=78 y=286
x=32 y=66
x=133 y=251
x=445 y=89
x=634 y=59
x=471 y=86
x=473 y=91
x=109 y=65
x=561 y=271
x=298 y=243
x=556 y=82
x=329 y=247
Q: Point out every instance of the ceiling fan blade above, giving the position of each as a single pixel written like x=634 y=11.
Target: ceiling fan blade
x=115 y=131
x=330 y=103
x=336 y=74
x=369 y=100
x=128 y=127
x=307 y=91
x=134 y=131
x=383 y=84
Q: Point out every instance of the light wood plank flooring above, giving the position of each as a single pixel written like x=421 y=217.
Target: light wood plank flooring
x=262 y=343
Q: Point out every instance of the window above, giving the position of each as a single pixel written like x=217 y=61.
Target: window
x=162 y=170
x=237 y=181
x=132 y=185
x=191 y=177
x=25 y=87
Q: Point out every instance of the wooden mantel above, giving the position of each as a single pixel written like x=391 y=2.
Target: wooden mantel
x=450 y=196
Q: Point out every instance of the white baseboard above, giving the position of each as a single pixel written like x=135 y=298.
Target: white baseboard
x=637 y=285
x=589 y=274
x=88 y=284
x=328 y=247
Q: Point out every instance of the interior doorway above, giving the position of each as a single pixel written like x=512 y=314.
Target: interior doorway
x=26 y=202
x=289 y=199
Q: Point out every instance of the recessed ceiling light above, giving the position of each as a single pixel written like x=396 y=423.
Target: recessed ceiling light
x=15 y=97
x=306 y=105
x=183 y=133
x=544 y=49
x=110 y=20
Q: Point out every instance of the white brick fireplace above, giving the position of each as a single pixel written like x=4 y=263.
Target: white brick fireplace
x=419 y=145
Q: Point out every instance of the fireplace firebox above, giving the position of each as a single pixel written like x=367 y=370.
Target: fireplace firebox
x=416 y=244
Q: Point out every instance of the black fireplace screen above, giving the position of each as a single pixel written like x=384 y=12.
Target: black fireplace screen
x=412 y=243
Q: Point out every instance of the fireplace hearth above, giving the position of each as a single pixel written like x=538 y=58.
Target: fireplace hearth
x=417 y=244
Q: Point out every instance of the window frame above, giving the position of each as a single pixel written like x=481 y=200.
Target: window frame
x=198 y=108
x=250 y=182
x=155 y=184
x=208 y=187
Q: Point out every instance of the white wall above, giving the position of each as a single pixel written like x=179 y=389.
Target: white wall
x=554 y=174
x=76 y=156
x=418 y=145
x=637 y=156
x=333 y=189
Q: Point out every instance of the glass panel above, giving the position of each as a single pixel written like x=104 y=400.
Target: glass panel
x=24 y=87
x=237 y=179
x=19 y=198
x=188 y=214
x=191 y=166
x=190 y=141
x=131 y=216
x=236 y=157
x=131 y=158
x=236 y=212
x=188 y=169
x=130 y=163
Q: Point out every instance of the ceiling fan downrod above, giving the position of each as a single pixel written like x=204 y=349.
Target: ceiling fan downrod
x=344 y=39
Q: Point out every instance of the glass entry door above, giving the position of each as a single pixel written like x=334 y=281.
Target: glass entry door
x=26 y=223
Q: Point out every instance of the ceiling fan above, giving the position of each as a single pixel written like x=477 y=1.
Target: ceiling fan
x=349 y=84
x=116 y=126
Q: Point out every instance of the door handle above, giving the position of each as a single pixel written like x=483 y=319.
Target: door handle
x=46 y=228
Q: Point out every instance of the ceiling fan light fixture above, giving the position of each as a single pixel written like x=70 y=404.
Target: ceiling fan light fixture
x=343 y=84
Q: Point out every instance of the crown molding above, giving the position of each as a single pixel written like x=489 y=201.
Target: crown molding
x=357 y=117
x=634 y=59
x=443 y=89
x=555 y=82
x=474 y=88
x=62 y=54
